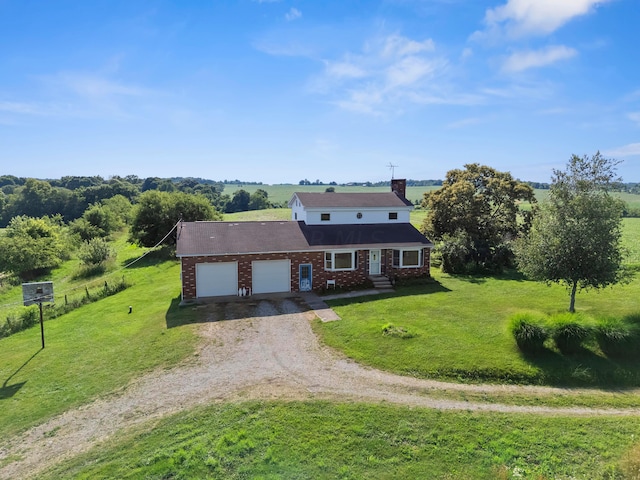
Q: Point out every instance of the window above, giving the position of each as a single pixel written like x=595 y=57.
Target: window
x=393 y=215
x=325 y=217
x=411 y=258
x=340 y=260
x=359 y=215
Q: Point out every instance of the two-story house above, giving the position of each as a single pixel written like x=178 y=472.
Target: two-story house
x=333 y=239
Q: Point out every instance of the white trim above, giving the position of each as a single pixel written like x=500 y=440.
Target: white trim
x=315 y=248
x=401 y=257
x=354 y=260
x=378 y=270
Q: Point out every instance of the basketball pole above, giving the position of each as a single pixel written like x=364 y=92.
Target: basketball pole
x=41 y=325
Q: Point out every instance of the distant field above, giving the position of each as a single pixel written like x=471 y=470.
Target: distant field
x=281 y=194
x=632 y=200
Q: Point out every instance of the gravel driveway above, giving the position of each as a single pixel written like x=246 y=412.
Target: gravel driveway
x=263 y=350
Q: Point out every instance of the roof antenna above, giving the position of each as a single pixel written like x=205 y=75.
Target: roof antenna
x=392 y=167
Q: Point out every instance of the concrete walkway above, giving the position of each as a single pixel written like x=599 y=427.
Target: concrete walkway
x=324 y=312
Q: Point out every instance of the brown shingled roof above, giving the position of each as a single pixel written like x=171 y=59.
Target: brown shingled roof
x=349 y=200
x=227 y=238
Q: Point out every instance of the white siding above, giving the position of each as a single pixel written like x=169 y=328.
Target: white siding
x=350 y=216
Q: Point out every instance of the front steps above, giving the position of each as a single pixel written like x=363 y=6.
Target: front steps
x=381 y=282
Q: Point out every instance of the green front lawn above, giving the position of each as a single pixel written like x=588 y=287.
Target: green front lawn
x=275 y=440
x=95 y=349
x=458 y=331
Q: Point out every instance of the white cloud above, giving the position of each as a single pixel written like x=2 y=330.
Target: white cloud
x=407 y=71
x=390 y=70
x=21 y=108
x=524 y=60
x=293 y=14
x=634 y=117
x=344 y=69
x=398 y=46
x=40 y=109
x=465 y=122
x=96 y=86
x=519 y=18
x=630 y=150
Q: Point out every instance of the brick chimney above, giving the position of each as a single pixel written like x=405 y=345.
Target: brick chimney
x=399 y=187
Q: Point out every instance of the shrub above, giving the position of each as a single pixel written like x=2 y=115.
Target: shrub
x=95 y=252
x=569 y=331
x=455 y=253
x=616 y=337
x=528 y=331
x=19 y=319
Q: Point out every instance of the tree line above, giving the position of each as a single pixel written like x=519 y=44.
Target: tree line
x=70 y=196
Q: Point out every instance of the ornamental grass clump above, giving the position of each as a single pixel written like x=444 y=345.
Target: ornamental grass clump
x=570 y=331
x=391 y=330
x=617 y=337
x=529 y=331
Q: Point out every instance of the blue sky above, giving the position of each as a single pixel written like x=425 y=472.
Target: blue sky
x=279 y=91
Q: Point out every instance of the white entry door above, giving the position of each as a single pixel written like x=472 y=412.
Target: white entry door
x=374 y=262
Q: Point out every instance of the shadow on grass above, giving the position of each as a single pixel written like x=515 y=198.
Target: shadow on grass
x=479 y=278
x=8 y=391
x=424 y=288
x=585 y=369
x=233 y=308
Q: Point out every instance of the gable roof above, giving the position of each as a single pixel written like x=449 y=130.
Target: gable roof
x=350 y=200
x=229 y=238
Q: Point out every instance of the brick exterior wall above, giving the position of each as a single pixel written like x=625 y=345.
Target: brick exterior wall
x=345 y=278
x=388 y=270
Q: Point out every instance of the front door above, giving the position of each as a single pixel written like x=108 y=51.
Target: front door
x=305 y=277
x=374 y=262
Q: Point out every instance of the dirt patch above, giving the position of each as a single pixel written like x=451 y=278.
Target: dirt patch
x=260 y=350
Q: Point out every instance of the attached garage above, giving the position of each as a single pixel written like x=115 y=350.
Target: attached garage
x=216 y=279
x=271 y=276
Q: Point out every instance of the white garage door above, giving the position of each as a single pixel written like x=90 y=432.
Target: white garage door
x=271 y=276
x=215 y=279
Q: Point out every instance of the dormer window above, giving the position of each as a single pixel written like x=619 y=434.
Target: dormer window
x=393 y=215
x=325 y=217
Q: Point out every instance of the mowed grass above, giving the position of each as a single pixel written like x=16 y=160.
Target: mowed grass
x=296 y=440
x=631 y=240
x=460 y=334
x=95 y=349
x=459 y=329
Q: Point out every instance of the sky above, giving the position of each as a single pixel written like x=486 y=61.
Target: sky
x=279 y=91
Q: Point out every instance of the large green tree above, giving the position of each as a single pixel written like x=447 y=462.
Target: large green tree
x=575 y=239
x=30 y=245
x=475 y=216
x=157 y=213
x=239 y=202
